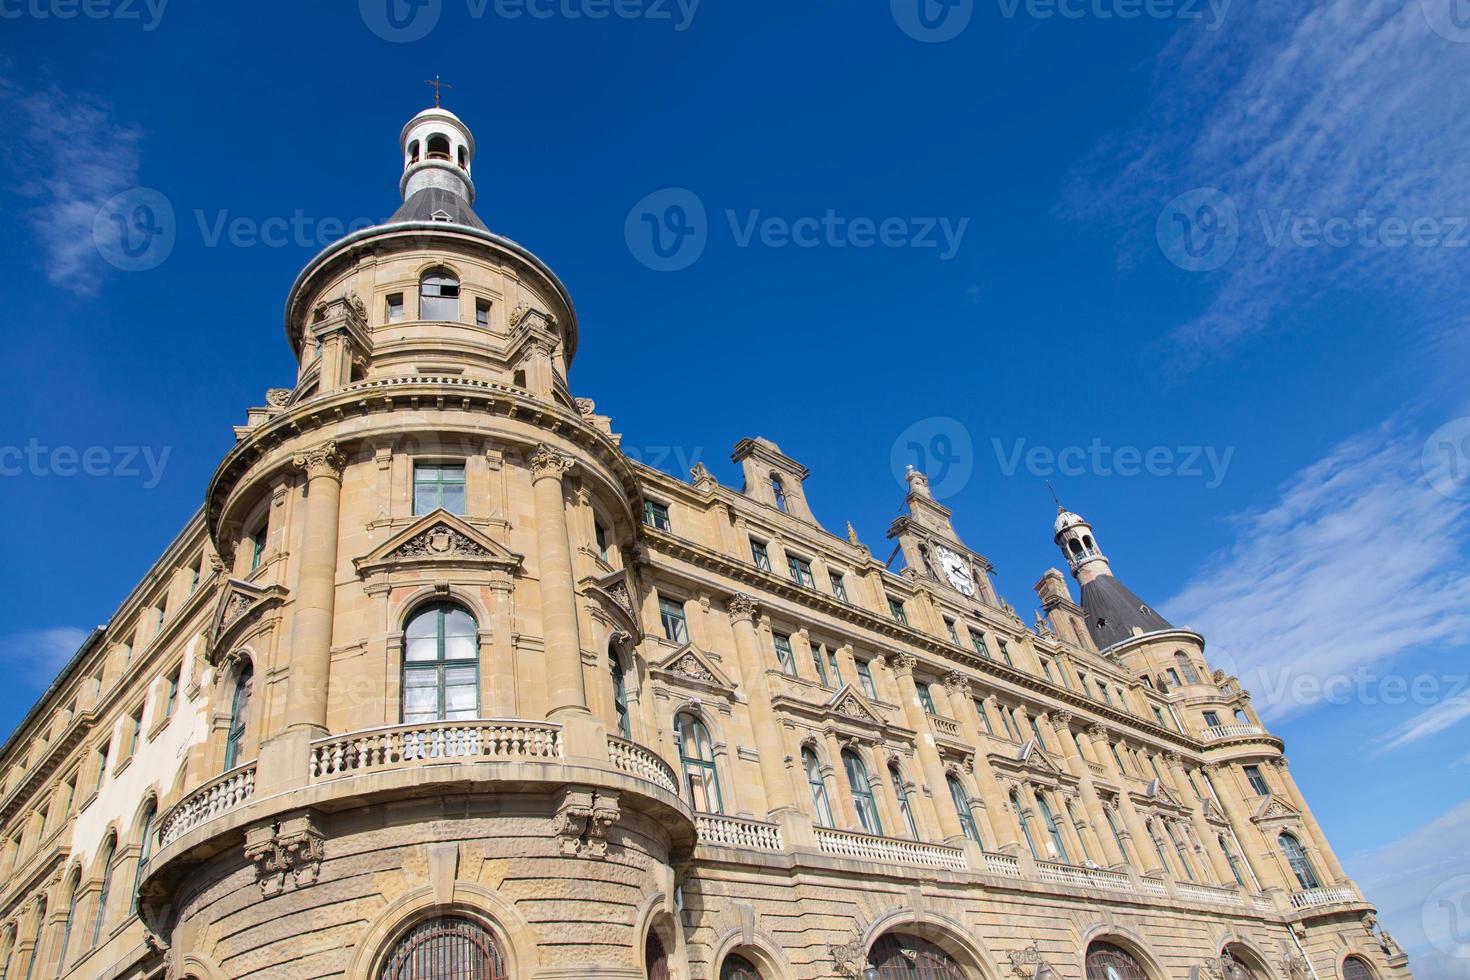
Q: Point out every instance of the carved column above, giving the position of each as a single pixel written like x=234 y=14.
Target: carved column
x=314 y=603
x=763 y=722
x=1217 y=779
x=566 y=687
x=962 y=704
x=928 y=751
x=1092 y=804
x=1143 y=857
x=1213 y=856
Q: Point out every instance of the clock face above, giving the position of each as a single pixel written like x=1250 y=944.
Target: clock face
x=958 y=571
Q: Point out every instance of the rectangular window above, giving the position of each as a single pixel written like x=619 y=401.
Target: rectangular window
x=801 y=571
x=1173 y=676
x=954 y=636
x=1103 y=690
x=395 y=307
x=1211 y=719
x=984 y=716
x=601 y=533
x=1005 y=718
x=1036 y=731
x=820 y=665
x=1159 y=716
x=895 y=609
x=925 y=698
x=1257 y=781
x=839 y=585
x=833 y=667
x=656 y=515
x=1117 y=758
x=1046 y=669
x=760 y=555
x=438 y=485
x=158 y=617
x=671 y=614
x=1148 y=681
x=784 y=654
x=194 y=578
x=865 y=677
x=135 y=724
x=101 y=764
x=1005 y=651
x=977 y=640
x=482 y=313
x=69 y=794
x=171 y=693
x=257 y=546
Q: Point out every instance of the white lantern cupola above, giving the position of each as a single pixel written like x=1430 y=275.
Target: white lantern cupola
x=438 y=155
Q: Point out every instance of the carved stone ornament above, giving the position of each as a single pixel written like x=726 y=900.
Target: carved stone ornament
x=1097 y=731
x=689 y=666
x=324 y=460
x=582 y=820
x=1294 y=965
x=956 y=682
x=288 y=853
x=585 y=406
x=277 y=397
x=904 y=663
x=547 y=463
x=619 y=592
x=742 y=606
x=441 y=542
x=1024 y=962
x=235 y=607
x=850 y=958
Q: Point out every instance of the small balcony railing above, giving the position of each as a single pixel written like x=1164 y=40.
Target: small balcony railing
x=1216 y=732
x=723 y=831
x=434 y=743
x=1208 y=893
x=846 y=843
x=635 y=760
x=1003 y=865
x=220 y=795
x=1315 y=897
x=945 y=726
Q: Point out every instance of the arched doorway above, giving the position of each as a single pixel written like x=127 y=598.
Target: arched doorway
x=737 y=967
x=446 y=948
x=899 y=956
x=1108 y=962
x=655 y=957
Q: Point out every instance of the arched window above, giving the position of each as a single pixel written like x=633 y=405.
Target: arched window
x=1025 y=825
x=441 y=665
x=814 y=781
x=902 y=957
x=438 y=147
x=1055 y=832
x=36 y=940
x=962 y=808
x=239 y=714
x=1075 y=547
x=145 y=848
x=862 y=792
x=446 y=948
x=438 y=295
x=620 y=694
x=1237 y=961
x=739 y=968
x=1230 y=857
x=464 y=159
x=905 y=808
x=1186 y=667
x=413 y=152
x=71 y=917
x=1357 y=968
x=1088 y=545
x=697 y=757
x=654 y=957
x=1301 y=865
x=1108 y=962
x=108 y=850
x=778 y=490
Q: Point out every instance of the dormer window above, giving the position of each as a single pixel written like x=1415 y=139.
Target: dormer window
x=439 y=296
x=441 y=215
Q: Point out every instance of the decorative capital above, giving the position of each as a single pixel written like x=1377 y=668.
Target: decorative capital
x=742 y=607
x=325 y=460
x=1097 y=731
x=547 y=463
x=1061 y=718
x=903 y=663
x=1173 y=758
x=956 y=682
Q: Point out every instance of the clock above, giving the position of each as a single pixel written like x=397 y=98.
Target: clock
x=958 y=571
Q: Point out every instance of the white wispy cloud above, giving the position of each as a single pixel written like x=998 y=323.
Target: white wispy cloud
x=1320 y=109
x=34 y=657
x=1358 y=560
x=67 y=155
x=1411 y=879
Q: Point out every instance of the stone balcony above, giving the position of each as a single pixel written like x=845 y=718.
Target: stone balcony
x=1216 y=733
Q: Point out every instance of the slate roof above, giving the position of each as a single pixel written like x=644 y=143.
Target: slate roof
x=1113 y=611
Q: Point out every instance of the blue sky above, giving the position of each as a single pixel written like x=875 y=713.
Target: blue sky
x=1204 y=269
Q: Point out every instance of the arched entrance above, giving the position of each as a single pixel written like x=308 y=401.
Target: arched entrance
x=899 y=956
x=737 y=967
x=655 y=957
x=1108 y=962
x=446 y=948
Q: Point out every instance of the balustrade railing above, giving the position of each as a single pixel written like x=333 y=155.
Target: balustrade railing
x=723 y=831
x=846 y=843
x=1313 y=897
x=434 y=743
x=945 y=726
x=1003 y=865
x=1153 y=886
x=218 y=796
x=1209 y=893
x=1216 y=732
x=635 y=760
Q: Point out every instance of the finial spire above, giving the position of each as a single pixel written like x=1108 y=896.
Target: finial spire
x=438 y=88
x=1054 y=497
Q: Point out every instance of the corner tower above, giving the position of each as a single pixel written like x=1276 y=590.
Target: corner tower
x=1112 y=611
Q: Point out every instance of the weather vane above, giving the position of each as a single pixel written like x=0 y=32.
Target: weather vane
x=438 y=87
x=1054 y=494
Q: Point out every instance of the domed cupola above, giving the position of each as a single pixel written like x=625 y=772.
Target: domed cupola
x=438 y=160
x=1113 y=612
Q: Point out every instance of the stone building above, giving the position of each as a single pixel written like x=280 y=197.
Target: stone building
x=439 y=683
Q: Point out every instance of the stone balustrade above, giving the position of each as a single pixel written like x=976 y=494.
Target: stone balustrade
x=220 y=795
x=1216 y=732
x=1002 y=864
x=723 y=831
x=1315 y=897
x=1153 y=886
x=434 y=742
x=945 y=726
x=1208 y=893
x=635 y=760
x=846 y=843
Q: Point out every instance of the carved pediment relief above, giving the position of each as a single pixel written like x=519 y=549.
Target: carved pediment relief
x=438 y=538
x=1213 y=813
x=614 y=596
x=1033 y=756
x=1160 y=793
x=239 y=605
x=849 y=702
x=1273 y=809
x=689 y=666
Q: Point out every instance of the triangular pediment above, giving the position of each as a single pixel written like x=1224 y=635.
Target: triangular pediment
x=691 y=665
x=1034 y=756
x=1275 y=808
x=238 y=603
x=1213 y=813
x=1158 y=791
x=850 y=703
x=440 y=537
